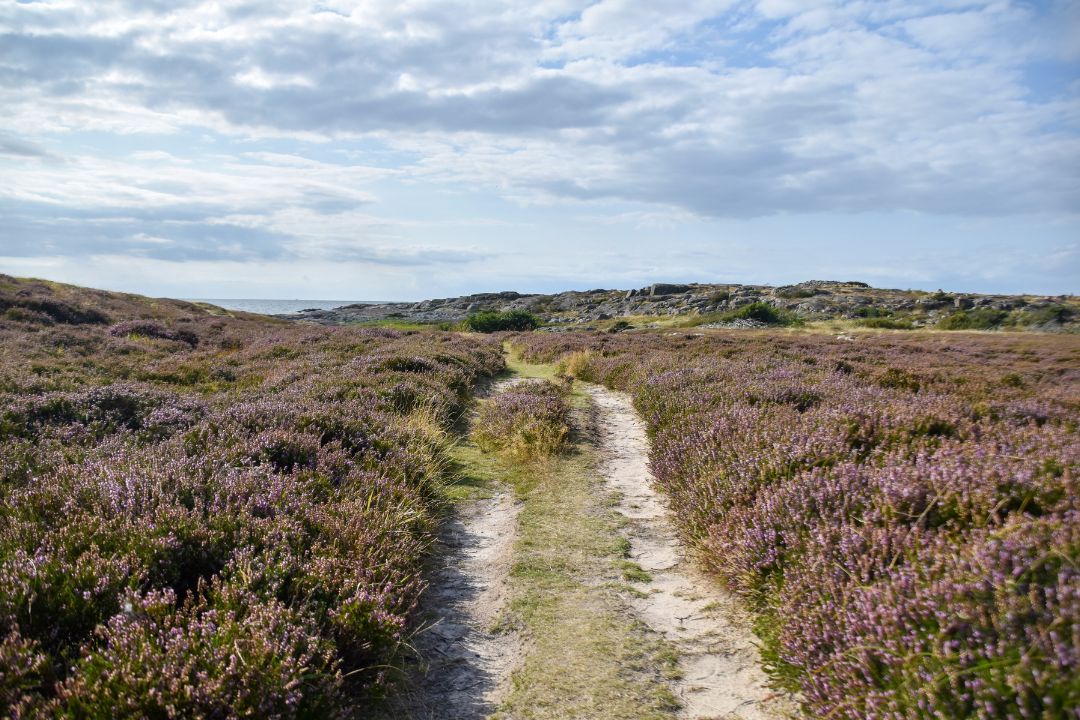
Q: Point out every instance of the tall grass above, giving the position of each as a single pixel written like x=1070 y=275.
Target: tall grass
x=529 y=421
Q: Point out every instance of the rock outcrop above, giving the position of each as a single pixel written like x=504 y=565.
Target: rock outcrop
x=813 y=300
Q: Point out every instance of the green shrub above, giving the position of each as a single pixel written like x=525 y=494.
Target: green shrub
x=872 y=311
x=1012 y=380
x=762 y=312
x=20 y=314
x=57 y=311
x=977 y=319
x=720 y=296
x=1045 y=315
x=493 y=321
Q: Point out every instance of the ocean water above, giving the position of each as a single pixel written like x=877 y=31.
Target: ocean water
x=278 y=307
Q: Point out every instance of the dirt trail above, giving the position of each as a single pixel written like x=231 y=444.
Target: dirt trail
x=721 y=674
x=463 y=667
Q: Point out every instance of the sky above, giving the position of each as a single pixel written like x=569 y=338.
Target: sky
x=353 y=149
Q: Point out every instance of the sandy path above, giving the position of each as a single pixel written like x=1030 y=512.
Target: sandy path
x=721 y=674
x=463 y=667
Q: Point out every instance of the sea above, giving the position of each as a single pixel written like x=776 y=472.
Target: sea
x=278 y=307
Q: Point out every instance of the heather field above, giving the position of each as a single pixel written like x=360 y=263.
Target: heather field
x=900 y=512
x=691 y=360
x=220 y=515
x=213 y=515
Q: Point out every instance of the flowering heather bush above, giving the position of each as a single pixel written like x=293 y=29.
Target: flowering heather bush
x=229 y=528
x=49 y=310
x=530 y=420
x=151 y=329
x=903 y=513
x=95 y=412
x=228 y=653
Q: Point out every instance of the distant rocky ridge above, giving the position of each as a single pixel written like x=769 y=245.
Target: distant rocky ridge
x=812 y=300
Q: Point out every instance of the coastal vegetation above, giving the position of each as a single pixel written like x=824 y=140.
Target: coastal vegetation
x=530 y=420
x=816 y=304
x=490 y=321
x=901 y=512
x=207 y=513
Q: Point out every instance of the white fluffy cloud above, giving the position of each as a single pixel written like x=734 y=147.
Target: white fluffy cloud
x=319 y=123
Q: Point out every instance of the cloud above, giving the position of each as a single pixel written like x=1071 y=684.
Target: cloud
x=849 y=107
x=407 y=256
x=21 y=148
x=36 y=230
x=227 y=130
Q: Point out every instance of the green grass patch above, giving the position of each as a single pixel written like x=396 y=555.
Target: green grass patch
x=403 y=324
x=470 y=477
x=873 y=311
x=885 y=323
x=633 y=572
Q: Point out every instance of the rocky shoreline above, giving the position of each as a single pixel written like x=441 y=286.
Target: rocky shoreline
x=812 y=300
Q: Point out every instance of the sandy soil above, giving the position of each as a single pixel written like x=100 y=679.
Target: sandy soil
x=722 y=677
x=463 y=667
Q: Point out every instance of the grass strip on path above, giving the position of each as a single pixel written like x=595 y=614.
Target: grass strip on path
x=586 y=655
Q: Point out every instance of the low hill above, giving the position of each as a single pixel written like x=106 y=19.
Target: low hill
x=727 y=304
x=45 y=302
